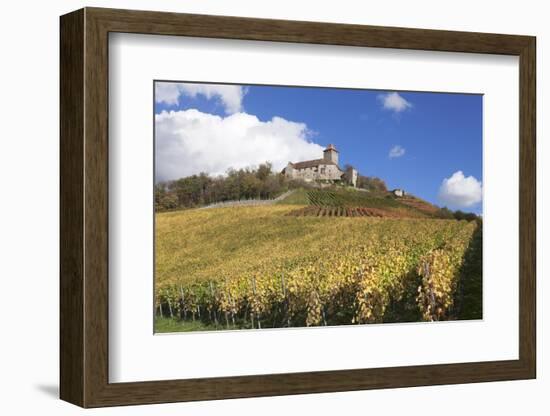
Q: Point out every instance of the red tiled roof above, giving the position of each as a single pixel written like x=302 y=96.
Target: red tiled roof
x=330 y=147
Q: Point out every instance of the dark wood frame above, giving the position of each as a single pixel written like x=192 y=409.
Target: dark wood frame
x=84 y=208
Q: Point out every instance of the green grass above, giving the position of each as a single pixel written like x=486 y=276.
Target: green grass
x=176 y=325
x=167 y=325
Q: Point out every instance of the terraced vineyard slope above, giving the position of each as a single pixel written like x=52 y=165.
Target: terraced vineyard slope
x=265 y=266
x=351 y=202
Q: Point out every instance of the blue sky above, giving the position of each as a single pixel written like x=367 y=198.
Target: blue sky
x=412 y=140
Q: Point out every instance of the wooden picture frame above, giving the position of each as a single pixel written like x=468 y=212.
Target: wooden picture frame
x=84 y=207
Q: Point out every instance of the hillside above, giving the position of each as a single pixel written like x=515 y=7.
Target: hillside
x=257 y=267
x=339 y=201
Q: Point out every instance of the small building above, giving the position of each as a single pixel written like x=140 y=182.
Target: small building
x=350 y=176
x=398 y=192
x=322 y=170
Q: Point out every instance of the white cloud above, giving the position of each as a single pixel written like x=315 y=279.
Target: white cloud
x=167 y=92
x=230 y=96
x=460 y=191
x=396 y=151
x=189 y=142
x=394 y=102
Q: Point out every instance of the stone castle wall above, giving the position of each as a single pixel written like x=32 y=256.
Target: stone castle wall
x=321 y=172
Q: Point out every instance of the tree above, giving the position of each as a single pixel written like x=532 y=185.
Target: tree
x=202 y=189
x=250 y=186
x=371 y=183
x=447 y=214
x=164 y=200
x=444 y=213
x=468 y=216
x=264 y=171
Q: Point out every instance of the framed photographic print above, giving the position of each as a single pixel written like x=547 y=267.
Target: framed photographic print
x=255 y=207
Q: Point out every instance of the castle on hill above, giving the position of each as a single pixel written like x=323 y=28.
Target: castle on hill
x=325 y=170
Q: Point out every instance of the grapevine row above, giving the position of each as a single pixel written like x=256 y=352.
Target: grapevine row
x=413 y=264
x=340 y=211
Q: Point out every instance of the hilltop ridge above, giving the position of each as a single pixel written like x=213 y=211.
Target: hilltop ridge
x=351 y=202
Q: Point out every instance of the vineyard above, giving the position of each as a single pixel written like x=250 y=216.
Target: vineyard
x=357 y=203
x=320 y=211
x=265 y=266
x=345 y=198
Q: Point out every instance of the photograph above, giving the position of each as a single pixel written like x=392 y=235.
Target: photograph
x=283 y=207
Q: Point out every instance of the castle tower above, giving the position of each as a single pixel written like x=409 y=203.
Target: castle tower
x=330 y=154
x=351 y=176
